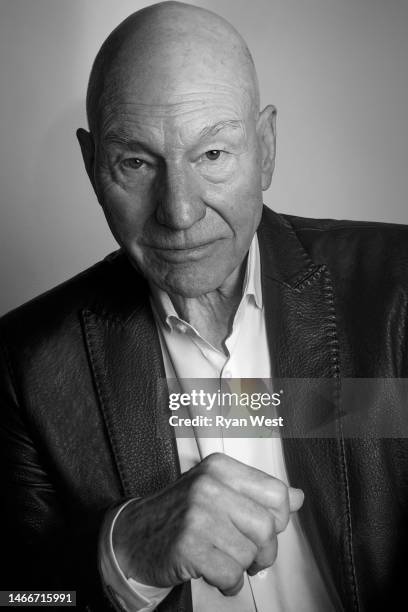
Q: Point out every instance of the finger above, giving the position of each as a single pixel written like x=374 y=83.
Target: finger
x=235 y=589
x=296 y=499
x=229 y=520
x=230 y=540
x=279 y=509
x=221 y=571
x=222 y=518
x=259 y=486
x=257 y=549
x=266 y=490
x=265 y=557
x=251 y=519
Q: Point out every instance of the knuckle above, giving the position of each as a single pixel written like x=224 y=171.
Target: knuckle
x=203 y=488
x=213 y=460
x=180 y=548
x=185 y=544
x=193 y=520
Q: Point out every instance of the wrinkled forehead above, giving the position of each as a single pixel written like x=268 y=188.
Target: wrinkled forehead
x=156 y=100
x=188 y=107
x=185 y=119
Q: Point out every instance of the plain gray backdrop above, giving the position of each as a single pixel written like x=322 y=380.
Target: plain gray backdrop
x=335 y=69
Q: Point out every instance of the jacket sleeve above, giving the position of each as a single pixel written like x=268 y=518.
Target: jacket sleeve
x=42 y=545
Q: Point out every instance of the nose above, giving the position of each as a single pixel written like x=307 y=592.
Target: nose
x=179 y=205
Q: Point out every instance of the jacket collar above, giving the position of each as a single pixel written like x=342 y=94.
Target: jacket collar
x=283 y=257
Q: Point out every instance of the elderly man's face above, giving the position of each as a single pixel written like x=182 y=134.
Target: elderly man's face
x=181 y=184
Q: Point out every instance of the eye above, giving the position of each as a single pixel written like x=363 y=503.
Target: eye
x=134 y=163
x=213 y=154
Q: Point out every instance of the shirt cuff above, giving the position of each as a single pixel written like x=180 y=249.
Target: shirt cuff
x=133 y=596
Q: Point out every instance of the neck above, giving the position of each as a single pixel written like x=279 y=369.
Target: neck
x=212 y=313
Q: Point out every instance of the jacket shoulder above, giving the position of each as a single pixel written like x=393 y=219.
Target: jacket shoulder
x=371 y=249
x=107 y=284
x=320 y=228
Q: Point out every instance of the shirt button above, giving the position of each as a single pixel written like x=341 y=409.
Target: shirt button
x=261 y=574
x=182 y=328
x=227 y=374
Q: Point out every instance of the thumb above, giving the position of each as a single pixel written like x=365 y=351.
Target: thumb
x=296 y=498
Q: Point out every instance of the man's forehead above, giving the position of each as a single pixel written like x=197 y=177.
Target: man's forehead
x=160 y=98
x=133 y=133
x=194 y=117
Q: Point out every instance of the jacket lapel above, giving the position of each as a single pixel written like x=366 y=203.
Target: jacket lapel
x=301 y=326
x=127 y=366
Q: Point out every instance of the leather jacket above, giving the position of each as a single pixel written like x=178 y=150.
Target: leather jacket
x=83 y=418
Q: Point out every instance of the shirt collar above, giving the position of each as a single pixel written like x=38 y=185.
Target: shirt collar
x=163 y=305
x=252 y=280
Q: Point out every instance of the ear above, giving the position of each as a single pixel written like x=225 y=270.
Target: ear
x=266 y=130
x=86 y=142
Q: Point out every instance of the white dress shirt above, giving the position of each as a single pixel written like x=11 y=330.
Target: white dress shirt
x=293 y=582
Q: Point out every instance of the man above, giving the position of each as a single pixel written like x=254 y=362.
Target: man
x=208 y=283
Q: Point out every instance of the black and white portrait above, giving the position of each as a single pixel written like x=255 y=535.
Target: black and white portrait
x=204 y=203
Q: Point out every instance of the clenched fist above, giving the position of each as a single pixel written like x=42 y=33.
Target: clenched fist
x=218 y=520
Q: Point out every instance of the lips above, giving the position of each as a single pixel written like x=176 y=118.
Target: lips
x=182 y=248
x=184 y=253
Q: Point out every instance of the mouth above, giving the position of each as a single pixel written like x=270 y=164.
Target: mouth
x=185 y=253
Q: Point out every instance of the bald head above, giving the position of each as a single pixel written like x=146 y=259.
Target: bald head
x=168 y=50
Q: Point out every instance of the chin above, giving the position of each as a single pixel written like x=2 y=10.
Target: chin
x=189 y=283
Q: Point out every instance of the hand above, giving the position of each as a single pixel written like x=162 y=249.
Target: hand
x=218 y=520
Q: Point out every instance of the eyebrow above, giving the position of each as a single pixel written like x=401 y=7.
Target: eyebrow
x=122 y=139
x=212 y=130
x=113 y=137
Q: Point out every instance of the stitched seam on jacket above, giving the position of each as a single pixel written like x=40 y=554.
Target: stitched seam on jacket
x=301 y=254
x=334 y=350
x=313 y=274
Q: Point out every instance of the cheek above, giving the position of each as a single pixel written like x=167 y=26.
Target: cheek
x=239 y=200
x=125 y=211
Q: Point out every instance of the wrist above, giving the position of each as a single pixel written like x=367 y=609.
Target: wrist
x=121 y=537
